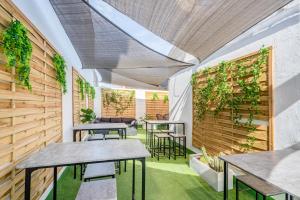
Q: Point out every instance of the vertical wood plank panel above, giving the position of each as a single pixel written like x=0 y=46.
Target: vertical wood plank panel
x=29 y=121
x=219 y=133
x=154 y=107
x=111 y=112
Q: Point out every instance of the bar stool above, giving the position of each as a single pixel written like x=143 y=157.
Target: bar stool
x=179 y=140
x=259 y=186
x=160 y=146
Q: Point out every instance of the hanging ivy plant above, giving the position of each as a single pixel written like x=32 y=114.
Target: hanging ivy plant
x=154 y=96
x=87 y=87
x=81 y=86
x=250 y=89
x=166 y=99
x=18 y=50
x=92 y=92
x=223 y=87
x=60 y=69
x=204 y=95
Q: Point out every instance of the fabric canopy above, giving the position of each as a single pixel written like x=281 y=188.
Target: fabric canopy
x=198 y=27
x=117 y=79
x=100 y=45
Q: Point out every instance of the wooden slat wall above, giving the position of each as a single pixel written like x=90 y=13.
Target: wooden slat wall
x=111 y=112
x=29 y=120
x=78 y=103
x=154 y=107
x=219 y=134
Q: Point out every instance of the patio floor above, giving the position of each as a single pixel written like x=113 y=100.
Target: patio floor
x=166 y=180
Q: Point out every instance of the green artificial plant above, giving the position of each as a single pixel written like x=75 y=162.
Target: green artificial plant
x=18 y=50
x=155 y=96
x=81 y=86
x=119 y=100
x=87 y=115
x=166 y=99
x=60 y=69
x=213 y=161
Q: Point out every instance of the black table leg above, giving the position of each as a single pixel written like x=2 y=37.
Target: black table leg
x=55 y=183
x=225 y=181
x=74 y=140
x=74 y=136
x=74 y=172
x=143 y=178
x=147 y=135
x=125 y=165
x=27 y=183
x=125 y=132
x=133 y=179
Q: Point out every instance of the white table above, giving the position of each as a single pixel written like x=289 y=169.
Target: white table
x=280 y=168
x=67 y=154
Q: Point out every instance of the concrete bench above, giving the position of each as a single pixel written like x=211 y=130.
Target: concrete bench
x=105 y=189
x=112 y=137
x=260 y=186
x=99 y=170
x=95 y=137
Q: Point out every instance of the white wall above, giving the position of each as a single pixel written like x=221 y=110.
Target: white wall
x=282 y=32
x=140 y=104
x=42 y=15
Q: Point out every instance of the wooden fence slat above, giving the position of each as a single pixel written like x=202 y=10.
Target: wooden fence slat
x=29 y=120
x=219 y=133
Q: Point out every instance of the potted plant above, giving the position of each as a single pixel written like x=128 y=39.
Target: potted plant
x=87 y=115
x=210 y=168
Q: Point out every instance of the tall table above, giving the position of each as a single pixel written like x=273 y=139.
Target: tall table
x=99 y=126
x=151 y=123
x=280 y=168
x=67 y=154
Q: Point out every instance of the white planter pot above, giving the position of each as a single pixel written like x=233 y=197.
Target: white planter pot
x=213 y=178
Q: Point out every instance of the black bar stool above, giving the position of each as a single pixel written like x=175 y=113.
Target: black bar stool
x=179 y=144
x=160 y=145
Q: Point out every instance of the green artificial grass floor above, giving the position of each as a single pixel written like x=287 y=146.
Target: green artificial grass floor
x=165 y=180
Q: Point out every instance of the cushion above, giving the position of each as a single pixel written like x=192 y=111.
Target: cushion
x=116 y=120
x=97 y=120
x=105 y=119
x=127 y=120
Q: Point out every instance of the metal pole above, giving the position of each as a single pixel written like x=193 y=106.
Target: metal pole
x=143 y=179
x=133 y=179
x=27 y=183
x=55 y=183
x=146 y=135
x=225 y=180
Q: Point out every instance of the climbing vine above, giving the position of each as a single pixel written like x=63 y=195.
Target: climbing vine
x=60 y=69
x=219 y=93
x=119 y=100
x=81 y=85
x=155 y=96
x=250 y=89
x=18 y=49
x=92 y=92
x=85 y=89
x=166 y=99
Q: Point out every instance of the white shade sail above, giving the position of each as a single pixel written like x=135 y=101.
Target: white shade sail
x=199 y=27
x=101 y=45
x=117 y=79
